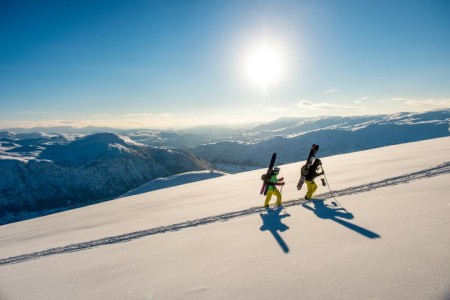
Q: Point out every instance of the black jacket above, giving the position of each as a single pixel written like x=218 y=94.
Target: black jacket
x=312 y=173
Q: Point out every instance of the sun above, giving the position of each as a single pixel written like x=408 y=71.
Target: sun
x=264 y=65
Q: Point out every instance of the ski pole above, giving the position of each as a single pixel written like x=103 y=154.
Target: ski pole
x=331 y=193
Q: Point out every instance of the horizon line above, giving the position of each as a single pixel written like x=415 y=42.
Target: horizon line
x=109 y=124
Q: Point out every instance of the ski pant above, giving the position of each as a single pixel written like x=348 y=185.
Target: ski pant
x=275 y=192
x=312 y=187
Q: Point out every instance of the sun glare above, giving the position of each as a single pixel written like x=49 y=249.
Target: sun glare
x=264 y=65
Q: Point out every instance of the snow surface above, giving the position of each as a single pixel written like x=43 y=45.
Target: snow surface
x=386 y=237
x=175 y=180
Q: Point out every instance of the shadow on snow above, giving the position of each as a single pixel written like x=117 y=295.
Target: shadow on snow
x=337 y=214
x=272 y=225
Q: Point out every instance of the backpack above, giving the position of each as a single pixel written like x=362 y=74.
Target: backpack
x=266 y=177
x=304 y=170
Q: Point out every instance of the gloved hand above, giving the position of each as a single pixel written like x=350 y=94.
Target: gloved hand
x=281 y=179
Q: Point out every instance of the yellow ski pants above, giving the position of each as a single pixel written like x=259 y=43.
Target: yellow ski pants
x=275 y=192
x=312 y=187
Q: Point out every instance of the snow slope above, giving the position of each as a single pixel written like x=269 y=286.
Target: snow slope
x=175 y=180
x=212 y=240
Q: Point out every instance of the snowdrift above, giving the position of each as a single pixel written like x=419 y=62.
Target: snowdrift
x=382 y=234
x=175 y=180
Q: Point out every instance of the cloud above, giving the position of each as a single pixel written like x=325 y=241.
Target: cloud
x=147 y=115
x=308 y=105
x=100 y=116
x=29 y=124
x=399 y=99
x=140 y=115
x=436 y=103
x=305 y=103
x=362 y=99
x=330 y=91
x=430 y=103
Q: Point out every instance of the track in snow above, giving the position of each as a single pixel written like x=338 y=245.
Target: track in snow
x=426 y=173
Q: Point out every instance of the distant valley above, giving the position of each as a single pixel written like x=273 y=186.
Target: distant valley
x=50 y=169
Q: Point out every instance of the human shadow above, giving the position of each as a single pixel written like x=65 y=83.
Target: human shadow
x=272 y=223
x=336 y=214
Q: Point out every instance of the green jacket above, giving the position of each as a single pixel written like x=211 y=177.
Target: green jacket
x=272 y=181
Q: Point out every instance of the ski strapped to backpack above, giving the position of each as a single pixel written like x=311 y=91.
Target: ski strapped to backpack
x=266 y=177
x=305 y=167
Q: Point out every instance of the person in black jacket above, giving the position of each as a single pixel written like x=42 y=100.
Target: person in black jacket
x=309 y=179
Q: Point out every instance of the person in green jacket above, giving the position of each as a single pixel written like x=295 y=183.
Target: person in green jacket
x=272 y=189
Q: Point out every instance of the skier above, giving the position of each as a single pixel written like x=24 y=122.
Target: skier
x=272 y=190
x=309 y=179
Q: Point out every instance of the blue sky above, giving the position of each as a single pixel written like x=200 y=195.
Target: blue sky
x=182 y=63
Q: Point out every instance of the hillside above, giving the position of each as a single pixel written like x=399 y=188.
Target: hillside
x=291 y=138
x=98 y=167
x=45 y=172
x=385 y=237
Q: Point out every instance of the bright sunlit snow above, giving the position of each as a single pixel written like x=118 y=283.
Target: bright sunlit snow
x=179 y=179
x=384 y=236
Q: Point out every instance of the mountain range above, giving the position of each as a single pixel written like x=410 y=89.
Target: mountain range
x=37 y=176
x=59 y=168
x=378 y=230
x=291 y=138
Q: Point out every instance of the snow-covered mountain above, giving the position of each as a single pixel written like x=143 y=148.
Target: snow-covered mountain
x=42 y=176
x=251 y=134
x=289 y=127
x=151 y=137
x=291 y=138
x=382 y=234
x=170 y=138
x=45 y=170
